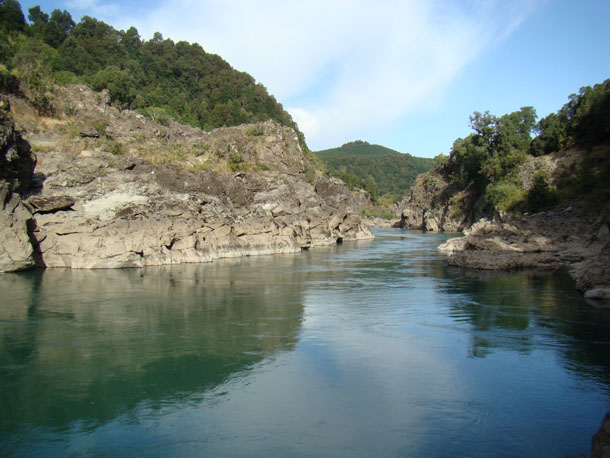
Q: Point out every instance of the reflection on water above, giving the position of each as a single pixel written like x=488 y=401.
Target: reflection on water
x=375 y=348
x=525 y=310
x=90 y=345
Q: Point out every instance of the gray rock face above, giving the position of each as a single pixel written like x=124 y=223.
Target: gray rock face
x=16 y=170
x=153 y=215
x=550 y=240
x=175 y=195
x=433 y=206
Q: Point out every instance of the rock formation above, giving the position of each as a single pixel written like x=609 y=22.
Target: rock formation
x=566 y=237
x=600 y=444
x=16 y=170
x=433 y=206
x=143 y=194
x=572 y=235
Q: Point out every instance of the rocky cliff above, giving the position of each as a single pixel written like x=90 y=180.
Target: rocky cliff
x=16 y=170
x=115 y=189
x=433 y=205
x=571 y=235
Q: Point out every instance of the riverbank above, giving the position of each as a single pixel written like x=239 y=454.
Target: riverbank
x=98 y=187
x=568 y=236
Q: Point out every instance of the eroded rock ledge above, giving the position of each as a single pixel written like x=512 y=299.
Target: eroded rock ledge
x=567 y=237
x=134 y=214
x=234 y=192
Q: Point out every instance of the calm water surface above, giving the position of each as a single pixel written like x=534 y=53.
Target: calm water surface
x=373 y=348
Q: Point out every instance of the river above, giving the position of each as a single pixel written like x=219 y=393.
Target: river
x=371 y=348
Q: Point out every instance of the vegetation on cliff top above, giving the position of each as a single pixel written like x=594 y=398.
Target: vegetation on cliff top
x=489 y=160
x=157 y=77
x=385 y=173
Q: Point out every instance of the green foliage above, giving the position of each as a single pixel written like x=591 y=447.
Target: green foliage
x=552 y=137
x=488 y=160
x=441 y=161
x=583 y=121
x=377 y=213
x=54 y=30
x=157 y=114
x=100 y=126
x=310 y=175
x=8 y=81
x=542 y=196
x=503 y=195
x=120 y=84
x=112 y=146
x=256 y=131
x=588 y=115
x=466 y=161
x=31 y=63
x=379 y=170
x=11 y=16
x=189 y=84
x=236 y=162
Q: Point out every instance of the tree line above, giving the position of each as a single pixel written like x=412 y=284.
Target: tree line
x=384 y=173
x=488 y=160
x=158 y=77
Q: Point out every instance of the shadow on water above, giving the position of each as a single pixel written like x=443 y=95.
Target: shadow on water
x=89 y=346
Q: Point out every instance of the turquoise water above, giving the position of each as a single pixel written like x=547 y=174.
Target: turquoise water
x=372 y=348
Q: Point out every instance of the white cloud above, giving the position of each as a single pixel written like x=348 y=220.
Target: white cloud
x=96 y=8
x=345 y=67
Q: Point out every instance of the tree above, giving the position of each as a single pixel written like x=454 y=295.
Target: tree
x=11 y=16
x=120 y=84
x=552 y=135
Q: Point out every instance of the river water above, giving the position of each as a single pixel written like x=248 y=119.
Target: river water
x=372 y=348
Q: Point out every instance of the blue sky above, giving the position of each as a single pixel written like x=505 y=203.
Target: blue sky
x=402 y=73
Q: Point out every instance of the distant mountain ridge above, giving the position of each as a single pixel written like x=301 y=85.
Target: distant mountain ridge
x=383 y=172
x=357 y=148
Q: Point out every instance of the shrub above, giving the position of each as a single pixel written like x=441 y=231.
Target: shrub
x=503 y=195
x=542 y=196
x=310 y=175
x=256 y=131
x=236 y=162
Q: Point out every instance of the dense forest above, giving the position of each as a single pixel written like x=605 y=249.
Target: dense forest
x=386 y=174
x=488 y=160
x=157 y=77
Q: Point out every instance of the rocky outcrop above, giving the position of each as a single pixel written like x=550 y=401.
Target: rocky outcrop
x=134 y=214
x=433 y=206
x=169 y=194
x=16 y=171
x=600 y=444
x=568 y=237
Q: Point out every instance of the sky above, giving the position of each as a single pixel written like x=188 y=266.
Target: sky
x=406 y=74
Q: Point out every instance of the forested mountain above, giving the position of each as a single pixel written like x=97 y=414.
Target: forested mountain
x=382 y=171
x=157 y=77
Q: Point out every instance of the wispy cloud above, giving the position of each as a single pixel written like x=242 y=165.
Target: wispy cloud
x=343 y=68
x=97 y=8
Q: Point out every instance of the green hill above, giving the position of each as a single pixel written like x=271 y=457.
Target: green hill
x=157 y=77
x=382 y=171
